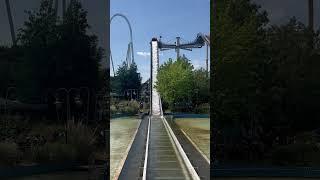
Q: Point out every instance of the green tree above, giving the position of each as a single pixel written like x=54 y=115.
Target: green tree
x=239 y=40
x=59 y=53
x=201 y=89
x=239 y=54
x=77 y=56
x=291 y=79
x=263 y=77
x=127 y=78
x=38 y=37
x=178 y=82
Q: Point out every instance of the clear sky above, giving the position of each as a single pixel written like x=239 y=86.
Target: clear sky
x=154 y=18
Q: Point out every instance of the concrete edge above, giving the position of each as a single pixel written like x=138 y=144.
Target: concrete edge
x=123 y=160
x=195 y=146
x=187 y=162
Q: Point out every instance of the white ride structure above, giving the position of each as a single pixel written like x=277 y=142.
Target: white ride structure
x=155 y=97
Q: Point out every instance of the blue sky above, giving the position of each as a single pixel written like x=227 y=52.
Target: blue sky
x=154 y=18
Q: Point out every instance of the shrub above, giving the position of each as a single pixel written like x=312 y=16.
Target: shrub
x=82 y=138
x=79 y=146
x=113 y=109
x=299 y=154
x=202 y=109
x=9 y=153
x=128 y=107
x=55 y=152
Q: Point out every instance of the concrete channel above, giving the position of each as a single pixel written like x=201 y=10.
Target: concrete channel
x=156 y=153
x=163 y=159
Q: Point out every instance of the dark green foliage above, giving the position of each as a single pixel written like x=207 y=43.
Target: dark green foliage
x=180 y=85
x=9 y=153
x=264 y=78
x=240 y=44
x=126 y=78
x=292 y=74
x=57 y=53
x=125 y=107
x=10 y=59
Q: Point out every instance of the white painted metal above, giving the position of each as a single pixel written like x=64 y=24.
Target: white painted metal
x=155 y=97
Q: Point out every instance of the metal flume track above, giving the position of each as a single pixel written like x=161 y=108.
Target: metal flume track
x=164 y=161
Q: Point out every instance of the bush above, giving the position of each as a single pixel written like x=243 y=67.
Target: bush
x=128 y=107
x=298 y=154
x=82 y=139
x=113 y=109
x=79 y=146
x=202 y=109
x=9 y=153
x=54 y=152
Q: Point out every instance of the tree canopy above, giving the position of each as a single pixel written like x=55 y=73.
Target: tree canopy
x=178 y=82
x=126 y=78
x=58 y=53
x=263 y=75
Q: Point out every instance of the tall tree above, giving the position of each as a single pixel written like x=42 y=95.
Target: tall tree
x=175 y=82
x=127 y=78
x=78 y=56
x=38 y=38
x=291 y=78
x=59 y=54
x=239 y=39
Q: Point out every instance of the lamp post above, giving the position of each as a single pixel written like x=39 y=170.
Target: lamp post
x=88 y=100
x=68 y=100
x=59 y=103
x=6 y=102
x=131 y=92
x=98 y=104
